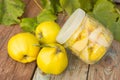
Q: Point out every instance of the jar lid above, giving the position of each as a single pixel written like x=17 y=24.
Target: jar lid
x=70 y=26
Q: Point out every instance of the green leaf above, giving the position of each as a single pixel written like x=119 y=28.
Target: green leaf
x=70 y=5
x=56 y=5
x=87 y=5
x=115 y=29
x=28 y=24
x=1 y=11
x=46 y=4
x=46 y=15
x=11 y=11
x=105 y=12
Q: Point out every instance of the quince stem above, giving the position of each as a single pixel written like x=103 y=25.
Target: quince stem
x=117 y=10
x=58 y=50
x=40 y=35
x=45 y=45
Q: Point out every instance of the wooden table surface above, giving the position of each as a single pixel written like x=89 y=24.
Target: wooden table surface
x=107 y=69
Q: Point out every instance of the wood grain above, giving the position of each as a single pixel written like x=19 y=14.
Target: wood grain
x=4 y=33
x=26 y=1
x=109 y=67
x=10 y=69
x=31 y=9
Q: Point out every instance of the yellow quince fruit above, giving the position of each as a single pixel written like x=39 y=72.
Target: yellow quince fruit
x=21 y=47
x=47 y=31
x=52 y=59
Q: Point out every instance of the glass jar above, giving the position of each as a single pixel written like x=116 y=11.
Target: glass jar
x=87 y=38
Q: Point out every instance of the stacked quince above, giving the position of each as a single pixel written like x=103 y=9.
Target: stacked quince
x=26 y=47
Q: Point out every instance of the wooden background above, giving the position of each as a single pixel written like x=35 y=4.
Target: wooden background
x=107 y=69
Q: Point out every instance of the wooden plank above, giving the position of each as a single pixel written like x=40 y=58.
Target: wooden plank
x=26 y=2
x=4 y=32
x=62 y=17
x=117 y=1
x=10 y=69
x=31 y=9
x=109 y=67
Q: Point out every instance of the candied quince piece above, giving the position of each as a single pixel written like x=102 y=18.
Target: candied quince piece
x=98 y=52
x=90 y=24
x=102 y=40
x=80 y=44
x=95 y=34
x=84 y=55
x=74 y=37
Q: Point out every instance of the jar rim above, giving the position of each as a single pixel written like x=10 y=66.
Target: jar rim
x=73 y=22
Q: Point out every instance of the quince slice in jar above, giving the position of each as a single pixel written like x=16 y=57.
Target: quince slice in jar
x=75 y=36
x=102 y=40
x=84 y=55
x=90 y=24
x=80 y=44
x=105 y=38
x=98 y=52
x=82 y=41
x=95 y=34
